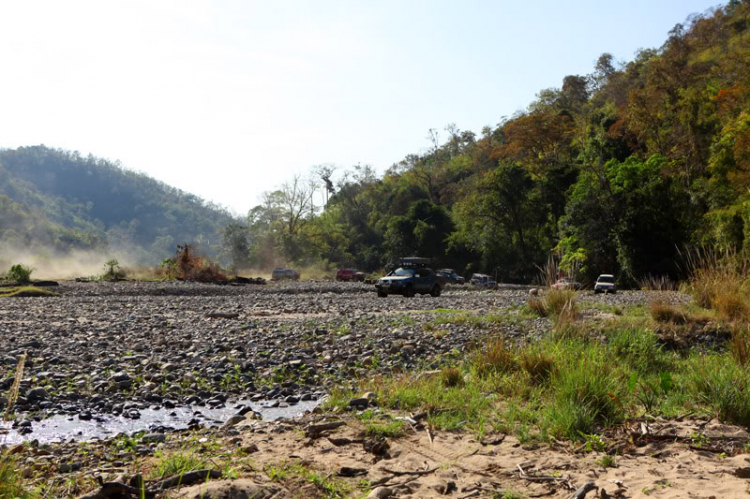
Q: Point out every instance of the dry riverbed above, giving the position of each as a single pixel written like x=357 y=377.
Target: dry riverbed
x=200 y=372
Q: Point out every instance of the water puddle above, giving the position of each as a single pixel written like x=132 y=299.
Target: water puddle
x=65 y=427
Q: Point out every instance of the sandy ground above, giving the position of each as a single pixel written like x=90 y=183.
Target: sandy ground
x=663 y=463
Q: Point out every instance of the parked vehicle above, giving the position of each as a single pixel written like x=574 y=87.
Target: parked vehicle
x=483 y=281
x=605 y=283
x=350 y=275
x=565 y=283
x=451 y=276
x=281 y=274
x=411 y=277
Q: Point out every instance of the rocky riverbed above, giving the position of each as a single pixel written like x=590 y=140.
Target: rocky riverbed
x=104 y=350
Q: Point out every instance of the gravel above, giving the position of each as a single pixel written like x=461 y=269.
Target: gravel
x=118 y=348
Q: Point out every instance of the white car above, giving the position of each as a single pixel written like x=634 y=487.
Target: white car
x=605 y=283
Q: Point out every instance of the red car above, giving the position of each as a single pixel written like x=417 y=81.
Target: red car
x=349 y=275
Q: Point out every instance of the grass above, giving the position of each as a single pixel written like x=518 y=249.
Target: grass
x=11 y=481
x=558 y=303
x=24 y=291
x=287 y=471
x=393 y=429
x=19 y=273
x=178 y=464
x=570 y=386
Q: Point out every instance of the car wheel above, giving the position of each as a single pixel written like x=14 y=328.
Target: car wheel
x=409 y=292
x=435 y=291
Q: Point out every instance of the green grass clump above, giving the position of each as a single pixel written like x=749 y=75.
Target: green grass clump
x=11 y=481
x=393 y=429
x=723 y=385
x=587 y=393
x=640 y=349
x=177 y=464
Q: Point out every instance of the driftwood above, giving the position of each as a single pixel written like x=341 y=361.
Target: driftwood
x=583 y=490
x=222 y=315
x=120 y=490
x=115 y=489
x=186 y=479
x=315 y=430
x=418 y=473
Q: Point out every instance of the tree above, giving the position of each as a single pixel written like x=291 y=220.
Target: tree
x=235 y=245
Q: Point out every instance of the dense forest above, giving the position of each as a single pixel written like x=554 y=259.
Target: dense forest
x=616 y=171
x=55 y=202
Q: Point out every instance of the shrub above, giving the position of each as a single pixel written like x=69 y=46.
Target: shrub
x=20 y=273
x=729 y=306
x=113 y=271
x=192 y=266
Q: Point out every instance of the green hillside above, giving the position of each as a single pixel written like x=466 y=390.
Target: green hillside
x=55 y=200
x=616 y=171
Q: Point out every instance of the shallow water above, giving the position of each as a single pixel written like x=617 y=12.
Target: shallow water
x=65 y=427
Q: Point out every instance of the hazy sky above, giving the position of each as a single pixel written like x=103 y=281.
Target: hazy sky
x=227 y=99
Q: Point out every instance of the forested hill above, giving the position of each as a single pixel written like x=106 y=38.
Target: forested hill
x=52 y=199
x=616 y=171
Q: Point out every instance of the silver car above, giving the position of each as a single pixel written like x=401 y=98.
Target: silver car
x=605 y=283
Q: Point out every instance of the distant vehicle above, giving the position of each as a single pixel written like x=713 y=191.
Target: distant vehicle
x=281 y=274
x=451 y=276
x=350 y=275
x=565 y=283
x=605 y=283
x=411 y=277
x=483 y=281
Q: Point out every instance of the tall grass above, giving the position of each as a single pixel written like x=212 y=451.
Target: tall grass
x=723 y=385
x=719 y=281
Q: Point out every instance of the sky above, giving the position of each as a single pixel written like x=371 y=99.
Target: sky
x=228 y=99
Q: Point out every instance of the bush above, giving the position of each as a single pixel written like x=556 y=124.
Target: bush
x=20 y=273
x=560 y=303
x=640 y=349
x=113 y=271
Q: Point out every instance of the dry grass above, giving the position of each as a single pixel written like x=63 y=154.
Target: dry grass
x=451 y=376
x=496 y=358
x=539 y=365
x=560 y=303
x=740 y=347
x=664 y=312
x=657 y=283
x=14 y=389
x=719 y=281
x=191 y=266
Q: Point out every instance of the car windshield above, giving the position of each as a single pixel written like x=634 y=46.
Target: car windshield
x=403 y=272
x=607 y=279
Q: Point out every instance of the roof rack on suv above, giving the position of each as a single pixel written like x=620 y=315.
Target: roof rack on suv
x=414 y=261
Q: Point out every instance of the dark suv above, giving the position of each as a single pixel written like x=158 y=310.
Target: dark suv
x=411 y=277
